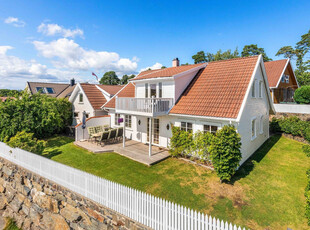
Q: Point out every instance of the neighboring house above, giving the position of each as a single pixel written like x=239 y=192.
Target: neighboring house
x=3 y=99
x=282 y=80
x=197 y=97
x=57 y=90
x=89 y=98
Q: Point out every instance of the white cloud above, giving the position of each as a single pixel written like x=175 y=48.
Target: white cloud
x=56 y=30
x=65 y=53
x=15 y=22
x=14 y=71
x=155 y=66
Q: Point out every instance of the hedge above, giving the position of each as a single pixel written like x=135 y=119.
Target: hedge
x=302 y=95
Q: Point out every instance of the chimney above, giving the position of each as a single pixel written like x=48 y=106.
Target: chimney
x=72 y=82
x=175 y=62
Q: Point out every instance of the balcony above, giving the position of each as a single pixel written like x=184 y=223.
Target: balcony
x=151 y=107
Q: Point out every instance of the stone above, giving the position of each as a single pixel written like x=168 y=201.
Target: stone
x=96 y=215
x=27 y=183
x=2 y=222
x=53 y=221
x=27 y=224
x=74 y=214
x=2 y=189
x=34 y=215
x=3 y=201
x=41 y=199
x=60 y=197
x=37 y=186
x=25 y=209
x=9 y=193
x=17 y=202
x=48 y=191
x=7 y=170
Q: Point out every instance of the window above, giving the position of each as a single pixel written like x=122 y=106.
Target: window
x=153 y=90
x=253 y=89
x=160 y=90
x=146 y=90
x=117 y=117
x=186 y=126
x=261 y=125
x=50 y=90
x=260 y=89
x=283 y=78
x=210 y=128
x=40 y=89
x=81 y=98
x=87 y=115
x=287 y=78
x=253 y=128
x=75 y=114
x=128 y=121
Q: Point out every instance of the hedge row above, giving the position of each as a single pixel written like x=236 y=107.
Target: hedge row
x=291 y=125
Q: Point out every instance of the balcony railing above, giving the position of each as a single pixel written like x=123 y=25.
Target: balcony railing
x=143 y=106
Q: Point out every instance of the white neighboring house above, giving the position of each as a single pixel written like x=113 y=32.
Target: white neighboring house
x=89 y=98
x=197 y=97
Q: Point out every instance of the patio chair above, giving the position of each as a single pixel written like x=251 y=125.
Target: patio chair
x=120 y=132
x=91 y=131
x=99 y=129
x=104 y=137
x=112 y=134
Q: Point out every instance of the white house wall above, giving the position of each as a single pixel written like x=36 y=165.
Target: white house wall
x=254 y=108
x=167 y=88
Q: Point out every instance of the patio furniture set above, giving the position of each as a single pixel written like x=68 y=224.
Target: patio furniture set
x=104 y=134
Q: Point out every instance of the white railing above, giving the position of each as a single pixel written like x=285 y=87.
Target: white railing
x=150 y=106
x=139 y=206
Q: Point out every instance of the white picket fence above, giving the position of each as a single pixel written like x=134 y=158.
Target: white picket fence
x=139 y=206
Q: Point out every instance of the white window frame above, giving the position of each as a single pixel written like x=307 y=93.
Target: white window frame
x=81 y=94
x=253 y=137
x=253 y=90
x=210 y=128
x=261 y=124
x=186 y=125
x=116 y=117
x=260 y=89
x=128 y=121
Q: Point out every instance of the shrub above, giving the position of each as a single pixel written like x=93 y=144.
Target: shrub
x=306 y=150
x=181 y=142
x=38 y=114
x=302 y=95
x=201 y=143
x=307 y=195
x=27 y=142
x=225 y=152
x=292 y=125
x=274 y=125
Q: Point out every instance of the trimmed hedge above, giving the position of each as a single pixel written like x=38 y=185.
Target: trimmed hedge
x=291 y=125
x=302 y=95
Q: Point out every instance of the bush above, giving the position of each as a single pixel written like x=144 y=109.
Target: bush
x=38 y=114
x=302 y=95
x=27 y=142
x=201 y=144
x=292 y=125
x=274 y=125
x=181 y=142
x=307 y=195
x=225 y=152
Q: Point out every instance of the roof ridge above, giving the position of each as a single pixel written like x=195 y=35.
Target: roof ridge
x=233 y=59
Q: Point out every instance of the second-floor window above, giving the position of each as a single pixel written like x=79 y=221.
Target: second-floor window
x=81 y=98
x=152 y=90
x=146 y=90
x=186 y=126
x=160 y=90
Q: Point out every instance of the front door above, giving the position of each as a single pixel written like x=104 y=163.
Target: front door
x=155 y=131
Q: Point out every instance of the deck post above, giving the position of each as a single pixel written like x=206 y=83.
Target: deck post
x=124 y=130
x=150 y=136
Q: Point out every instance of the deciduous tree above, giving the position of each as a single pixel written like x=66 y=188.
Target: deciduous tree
x=109 y=78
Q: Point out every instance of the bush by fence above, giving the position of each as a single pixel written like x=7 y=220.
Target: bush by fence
x=302 y=95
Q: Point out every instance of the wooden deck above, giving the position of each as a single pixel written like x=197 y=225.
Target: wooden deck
x=134 y=150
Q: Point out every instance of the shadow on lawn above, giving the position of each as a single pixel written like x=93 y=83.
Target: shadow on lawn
x=53 y=144
x=248 y=166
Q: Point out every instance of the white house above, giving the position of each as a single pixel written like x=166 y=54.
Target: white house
x=197 y=97
x=89 y=98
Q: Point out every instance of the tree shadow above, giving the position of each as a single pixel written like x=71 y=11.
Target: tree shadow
x=248 y=166
x=52 y=153
x=58 y=141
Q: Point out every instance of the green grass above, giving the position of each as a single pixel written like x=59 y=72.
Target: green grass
x=268 y=193
x=10 y=225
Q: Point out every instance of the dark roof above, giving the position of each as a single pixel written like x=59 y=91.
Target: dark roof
x=60 y=90
x=217 y=90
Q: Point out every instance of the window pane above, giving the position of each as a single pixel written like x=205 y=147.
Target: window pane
x=146 y=90
x=76 y=114
x=206 y=128
x=253 y=128
x=189 y=126
x=128 y=121
x=81 y=97
x=183 y=126
x=153 y=90
x=40 y=89
x=213 y=129
x=253 y=89
x=160 y=86
x=50 y=90
x=156 y=131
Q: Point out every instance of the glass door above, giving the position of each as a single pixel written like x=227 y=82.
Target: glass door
x=155 y=131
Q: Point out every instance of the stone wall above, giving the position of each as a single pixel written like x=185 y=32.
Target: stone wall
x=36 y=203
x=304 y=117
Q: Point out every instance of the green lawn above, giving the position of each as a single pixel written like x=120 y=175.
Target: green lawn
x=268 y=193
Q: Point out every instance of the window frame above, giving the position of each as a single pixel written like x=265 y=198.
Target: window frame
x=261 y=124
x=253 y=137
x=128 y=121
x=253 y=89
x=186 y=126
x=116 y=117
x=53 y=91
x=260 y=89
x=81 y=96
x=75 y=113
x=42 y=89
x=210 y=128
x=160 y=89
x=287 y=79
x=146 y=85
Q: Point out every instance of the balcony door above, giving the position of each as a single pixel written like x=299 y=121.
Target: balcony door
x=155 y=131
x=152 y=90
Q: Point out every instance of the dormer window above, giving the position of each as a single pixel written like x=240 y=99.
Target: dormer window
x=40 y=90
x=50 y=90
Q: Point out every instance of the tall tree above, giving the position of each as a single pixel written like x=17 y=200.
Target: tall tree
x=253 y=49
x=126 y=78
x=286 y=51
x=109 y=78
x=199 y=57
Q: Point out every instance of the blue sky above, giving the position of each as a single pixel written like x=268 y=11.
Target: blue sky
x=58 y=40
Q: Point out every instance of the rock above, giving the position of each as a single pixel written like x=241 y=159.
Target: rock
x=17 y=202
x=74 y=214
x=34 y=215
x=25 y=209
x=27 y=224
x=37 y=186
x=9 y=193
x=3 y=201
x=2 y=222
x=2 y=185
x=41 y=199
x=7 y=170
x=95 y=215
x=60 y=197
x=53 y=221
x=27 y=183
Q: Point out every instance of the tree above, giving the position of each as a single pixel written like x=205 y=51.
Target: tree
x=163 y=67
x=9 y=93
x=126 y=78
x=253 y=49
x=199 y=57
x=109 y=78
x=225 y=152
x=302 y=95
x=286 y=51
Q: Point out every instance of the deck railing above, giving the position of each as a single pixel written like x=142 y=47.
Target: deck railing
x=149 y=210
x=150 y=106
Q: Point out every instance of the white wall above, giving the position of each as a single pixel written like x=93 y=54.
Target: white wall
x=167 y=88
x=292 y=108
x=80 y=107
x=95 y=121
x=254 y=108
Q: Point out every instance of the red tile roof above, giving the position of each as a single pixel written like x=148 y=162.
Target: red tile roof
x=94 y=95
x=128 y=91
x=274 y=69
x=218 y=90
x=3 y=99
x=111 y=89
x=167 y=72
